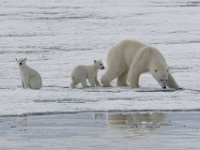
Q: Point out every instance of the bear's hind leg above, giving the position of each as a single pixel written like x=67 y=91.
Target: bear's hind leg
x=34 y=83
x=109 y=76
x=121 y=80
x=73 y=85
x=73 y=82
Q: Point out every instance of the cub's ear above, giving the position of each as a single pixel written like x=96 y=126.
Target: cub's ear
x=95 y=61
x=15 y=59
x=156 y=70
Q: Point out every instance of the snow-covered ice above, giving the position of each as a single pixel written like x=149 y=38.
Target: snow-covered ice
x=56 y=35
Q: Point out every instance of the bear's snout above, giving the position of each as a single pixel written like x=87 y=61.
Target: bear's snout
x=20 y=63
x=102 y=68
x=164 y=87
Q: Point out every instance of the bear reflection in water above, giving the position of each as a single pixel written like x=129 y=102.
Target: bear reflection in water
x=134 y=123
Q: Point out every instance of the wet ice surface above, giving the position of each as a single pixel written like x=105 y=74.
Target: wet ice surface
x=119 y=130
x=57 y=35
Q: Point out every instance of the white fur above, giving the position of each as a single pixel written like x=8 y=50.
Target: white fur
x=30 y=78
x=128 y=59
x=83 y=72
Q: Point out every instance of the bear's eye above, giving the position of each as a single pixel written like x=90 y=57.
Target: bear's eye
x=161 y=80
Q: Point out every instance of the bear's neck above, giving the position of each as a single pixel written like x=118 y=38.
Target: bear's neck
x=23 y=67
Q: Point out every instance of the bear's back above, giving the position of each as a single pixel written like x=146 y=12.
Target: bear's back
x=125 y=51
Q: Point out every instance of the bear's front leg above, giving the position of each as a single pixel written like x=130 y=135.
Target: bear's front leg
x=22 y=84
x=171 y=83
x=92 y=82
x=96 y=80
x=133 y=78
x=134 y=74
x=26 y=82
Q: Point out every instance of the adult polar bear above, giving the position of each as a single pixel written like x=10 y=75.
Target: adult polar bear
x=128 y=59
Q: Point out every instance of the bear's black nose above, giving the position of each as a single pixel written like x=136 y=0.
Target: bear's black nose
x=20 y=63
x=164 y=87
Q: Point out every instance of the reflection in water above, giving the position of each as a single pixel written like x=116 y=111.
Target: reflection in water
x=135 y=118
x=99 y=116
x=21 y=122
x=113 y=131
x=133 y=124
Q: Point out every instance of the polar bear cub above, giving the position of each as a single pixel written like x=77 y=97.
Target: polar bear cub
x=30 y=77
x=83 y=72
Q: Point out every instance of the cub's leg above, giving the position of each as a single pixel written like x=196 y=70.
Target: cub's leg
x=26 y=82
x=92 y=82
x=96 y=81
x=73 y=82
x=84 y=83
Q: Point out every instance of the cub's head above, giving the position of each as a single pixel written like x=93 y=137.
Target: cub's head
x=99 y=64
x=21 y=61
x=161 y=75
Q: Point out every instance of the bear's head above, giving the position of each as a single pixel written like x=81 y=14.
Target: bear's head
x=21 y=61
x=161 y=76
x=99 y=64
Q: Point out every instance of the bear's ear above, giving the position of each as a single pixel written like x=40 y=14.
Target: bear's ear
x=156 y=70
x=25 y=59
x=15 y=59
x=95 y=61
